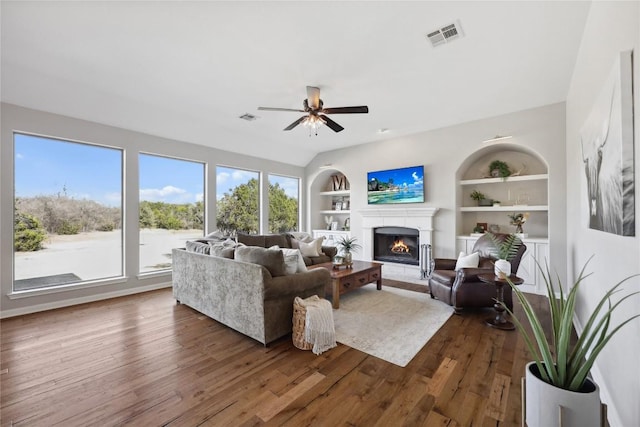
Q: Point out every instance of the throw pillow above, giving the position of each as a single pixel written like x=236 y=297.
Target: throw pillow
x=299 y=260
x=312 y=249
x=221 y=250
x=467 y=261
x=216 y=236
x=197 y=247
x=271 y=259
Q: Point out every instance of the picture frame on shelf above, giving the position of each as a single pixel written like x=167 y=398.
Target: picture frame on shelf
x=482 y=225
x=338 y=206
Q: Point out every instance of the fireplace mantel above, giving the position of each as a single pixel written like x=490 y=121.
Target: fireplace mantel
x=418 y=218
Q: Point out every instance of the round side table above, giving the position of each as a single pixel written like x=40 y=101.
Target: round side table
x=499 y=321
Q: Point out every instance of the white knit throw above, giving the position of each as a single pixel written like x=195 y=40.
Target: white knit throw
x=319 y=329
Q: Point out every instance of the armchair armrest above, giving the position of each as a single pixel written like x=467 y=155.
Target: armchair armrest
x=330 y=251
x=443 y=264
x=471 y=274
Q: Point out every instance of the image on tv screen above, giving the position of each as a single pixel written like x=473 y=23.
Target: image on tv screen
x=404 y=185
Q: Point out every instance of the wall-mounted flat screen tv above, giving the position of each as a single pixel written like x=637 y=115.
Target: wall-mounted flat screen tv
x=404 y=185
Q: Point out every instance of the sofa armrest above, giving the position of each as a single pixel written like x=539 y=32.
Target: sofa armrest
x=330 y=251
x=296 y=284
x=443 y=264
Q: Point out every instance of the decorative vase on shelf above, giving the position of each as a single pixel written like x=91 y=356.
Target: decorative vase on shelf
x=502 y=268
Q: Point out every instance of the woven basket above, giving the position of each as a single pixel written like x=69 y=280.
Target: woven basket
x=299 y=317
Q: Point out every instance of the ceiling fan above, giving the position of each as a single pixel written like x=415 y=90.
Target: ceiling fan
x=316 y=117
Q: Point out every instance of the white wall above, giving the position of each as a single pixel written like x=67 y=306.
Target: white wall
x=443 y=152
x=611 y=27
x=21 y=119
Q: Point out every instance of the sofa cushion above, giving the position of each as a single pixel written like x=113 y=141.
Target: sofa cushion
x=252 y=239
x=222 y=251
x=197 y=247
x=271 y=259
x=280 y=240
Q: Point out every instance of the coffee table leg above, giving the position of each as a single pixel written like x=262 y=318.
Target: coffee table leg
x=336 y=293
x=379 y=284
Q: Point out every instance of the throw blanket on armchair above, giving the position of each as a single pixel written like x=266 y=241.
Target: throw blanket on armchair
x=319 y=329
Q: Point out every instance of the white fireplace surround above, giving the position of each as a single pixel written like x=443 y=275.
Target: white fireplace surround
x=419 y=218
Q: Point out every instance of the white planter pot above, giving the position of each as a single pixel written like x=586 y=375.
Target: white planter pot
x=546 y=404
x=502 y=267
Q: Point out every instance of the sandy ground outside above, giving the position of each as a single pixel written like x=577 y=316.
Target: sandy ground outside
x=98 y=255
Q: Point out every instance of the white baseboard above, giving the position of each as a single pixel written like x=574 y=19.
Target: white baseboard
x=82 y=300
x=605 y=397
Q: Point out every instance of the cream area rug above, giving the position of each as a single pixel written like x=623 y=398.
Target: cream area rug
x=391 y=324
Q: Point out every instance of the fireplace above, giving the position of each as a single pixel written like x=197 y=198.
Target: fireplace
x=420 y=219
x=396 y=244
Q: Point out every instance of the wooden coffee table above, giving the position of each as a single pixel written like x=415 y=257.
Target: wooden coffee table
x=344 y=280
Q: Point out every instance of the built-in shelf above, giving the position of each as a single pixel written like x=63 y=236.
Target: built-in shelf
x=537 y=177
x=504 y=208
x=335 y=193
x=335 y=212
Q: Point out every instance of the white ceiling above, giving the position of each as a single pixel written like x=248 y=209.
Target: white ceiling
x=188 y=70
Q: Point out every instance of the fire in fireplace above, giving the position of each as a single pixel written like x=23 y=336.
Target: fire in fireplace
x=396 y=244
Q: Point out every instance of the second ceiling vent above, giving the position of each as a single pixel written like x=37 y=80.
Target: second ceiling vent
x=445 y=34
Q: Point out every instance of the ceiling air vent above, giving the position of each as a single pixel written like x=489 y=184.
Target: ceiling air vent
x=445 y=34
x=248 y=117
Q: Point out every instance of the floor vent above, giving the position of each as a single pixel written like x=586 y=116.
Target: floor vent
x=445 y=34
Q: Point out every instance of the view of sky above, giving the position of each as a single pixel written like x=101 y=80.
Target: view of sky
x=45 y=166
x=229 y=178
x=168 y=180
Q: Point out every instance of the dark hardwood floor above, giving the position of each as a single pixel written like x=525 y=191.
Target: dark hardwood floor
x=143 y=360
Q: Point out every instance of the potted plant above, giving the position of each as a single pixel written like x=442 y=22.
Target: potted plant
x=480 y=198
x=557 y=385
x=498 y=168
x=347 y=245
x=504 y=250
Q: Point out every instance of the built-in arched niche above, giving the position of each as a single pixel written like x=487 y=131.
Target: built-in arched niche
x=329 y=196
x=526 y=190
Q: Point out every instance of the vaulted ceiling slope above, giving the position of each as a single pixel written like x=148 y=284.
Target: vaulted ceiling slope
x=188 y=70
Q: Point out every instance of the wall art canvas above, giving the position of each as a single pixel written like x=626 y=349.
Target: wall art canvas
x=607 y=145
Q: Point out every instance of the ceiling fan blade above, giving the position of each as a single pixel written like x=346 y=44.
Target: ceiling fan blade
x=280 y=109
x=333 y=125
x=346 y=110
x=313 y=97
x=296 y=123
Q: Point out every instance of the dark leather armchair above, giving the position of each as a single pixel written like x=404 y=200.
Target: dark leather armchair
x=462 y=288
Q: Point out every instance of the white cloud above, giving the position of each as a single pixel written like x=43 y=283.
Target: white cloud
x=199 y=197
x=222 y=177
x=169 y=194
x=19 y=156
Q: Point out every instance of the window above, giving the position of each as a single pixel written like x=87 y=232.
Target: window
x=67 y=212
x=238 y=197
x=171 y=208
x=283 y=203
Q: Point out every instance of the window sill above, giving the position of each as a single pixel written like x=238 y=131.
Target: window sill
x=66 y=288
x=153 y=274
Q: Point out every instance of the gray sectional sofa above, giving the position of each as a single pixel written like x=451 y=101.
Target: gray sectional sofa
x=243 y=295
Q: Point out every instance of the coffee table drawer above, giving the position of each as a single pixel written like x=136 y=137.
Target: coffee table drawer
x=355 y=281
x=374 y=276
